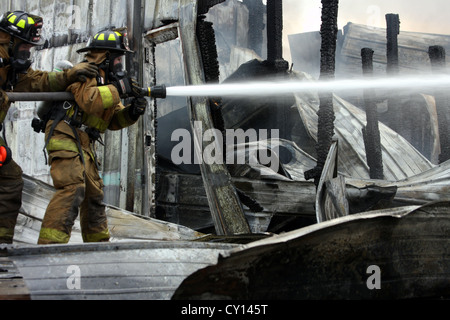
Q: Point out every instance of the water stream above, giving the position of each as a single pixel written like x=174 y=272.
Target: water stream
x=271 y=88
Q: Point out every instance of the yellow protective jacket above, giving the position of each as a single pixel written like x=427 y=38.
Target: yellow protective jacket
x=11 y=182
x=32 y=81
x=101 y=109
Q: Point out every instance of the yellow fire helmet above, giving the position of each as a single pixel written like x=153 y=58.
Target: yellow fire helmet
x=114 y=40
x=22 y=25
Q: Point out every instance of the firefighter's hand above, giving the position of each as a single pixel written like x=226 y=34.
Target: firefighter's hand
x=82 y=71
x=137 y=107
x=123 y=86
x=5 y=155
x=3 y=98
x=135 y=88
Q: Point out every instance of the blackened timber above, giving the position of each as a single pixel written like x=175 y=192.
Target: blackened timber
x=393 y=30
x=275 y=35
x=328 y=32
x=394 y=116
x=204 y=5
x=437 y=59
x=255 y=24
x=371 y=132
x=226 y=209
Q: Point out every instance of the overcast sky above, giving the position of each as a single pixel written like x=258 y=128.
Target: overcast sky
x=431 y=16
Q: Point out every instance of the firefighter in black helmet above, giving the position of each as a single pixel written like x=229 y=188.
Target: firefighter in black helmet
x=19 y=32
x=70 y=143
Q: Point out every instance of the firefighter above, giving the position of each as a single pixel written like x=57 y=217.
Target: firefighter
x=19 y=32
x=71 y=135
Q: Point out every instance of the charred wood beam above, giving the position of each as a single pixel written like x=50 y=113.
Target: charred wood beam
x=205 y=5
x=207 y=45
x=393 y=30
x=226 y=209
x=371 y=132
x=255 y=24
x=394 y=115
x=437 y=59
x=328 y=32
x=275 y=35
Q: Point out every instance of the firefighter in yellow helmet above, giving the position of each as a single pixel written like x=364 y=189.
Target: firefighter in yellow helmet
x=70 y=137
x=19 y=32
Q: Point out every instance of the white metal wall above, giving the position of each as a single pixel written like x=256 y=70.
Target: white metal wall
x=67 y=26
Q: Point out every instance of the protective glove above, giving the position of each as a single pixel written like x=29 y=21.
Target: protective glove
x=135 y=88
x=127 y=87
x=82 y=71
x=5 y=155
x=137 y=107
x=3 y=98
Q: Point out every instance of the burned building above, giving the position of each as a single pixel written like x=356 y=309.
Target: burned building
x=413 y=59
x=201 y=209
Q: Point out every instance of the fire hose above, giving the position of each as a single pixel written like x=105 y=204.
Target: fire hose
x=152 y=92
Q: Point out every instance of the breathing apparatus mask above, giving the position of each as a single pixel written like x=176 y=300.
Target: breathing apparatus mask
x=20 y=60
x=116 y=71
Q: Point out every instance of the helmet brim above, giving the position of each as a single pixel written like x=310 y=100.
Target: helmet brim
x=39 y=43
x=85 y=49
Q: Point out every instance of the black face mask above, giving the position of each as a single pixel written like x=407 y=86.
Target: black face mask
x=118 y=68
x=21 y=61
x=117 y=72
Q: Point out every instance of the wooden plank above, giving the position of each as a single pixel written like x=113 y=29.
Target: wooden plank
x=337 y=204
x=12 y=285
x=184 y=200
x=322 y=202
x=226 y=209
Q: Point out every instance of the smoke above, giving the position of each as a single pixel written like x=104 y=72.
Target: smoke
x=415 y=15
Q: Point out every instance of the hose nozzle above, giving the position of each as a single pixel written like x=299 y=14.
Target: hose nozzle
x=156 y=91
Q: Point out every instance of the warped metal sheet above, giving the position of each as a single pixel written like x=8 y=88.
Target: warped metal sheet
x=400 y=158
x=409 y=246
x=149 y=270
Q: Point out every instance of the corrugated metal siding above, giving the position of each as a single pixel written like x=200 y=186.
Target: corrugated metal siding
x=120 y=271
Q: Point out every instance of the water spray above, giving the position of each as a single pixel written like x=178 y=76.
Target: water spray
x=266 y=88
